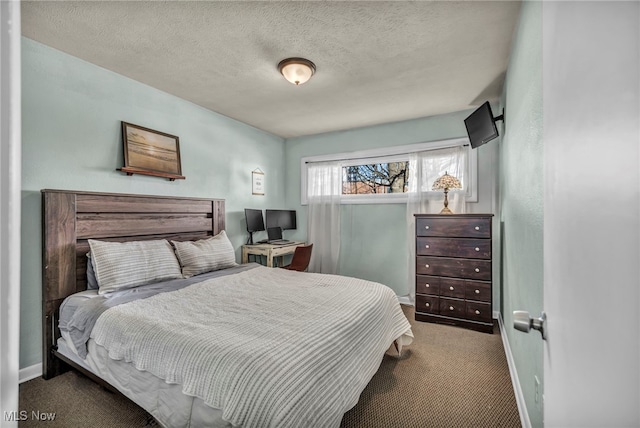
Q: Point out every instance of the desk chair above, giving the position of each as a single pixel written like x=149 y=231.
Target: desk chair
x=301 y=258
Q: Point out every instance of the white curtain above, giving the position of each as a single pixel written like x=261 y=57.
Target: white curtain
x=425 y=168
x=10 y=198
x=324 y=186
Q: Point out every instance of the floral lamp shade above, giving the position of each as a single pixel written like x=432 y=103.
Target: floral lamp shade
x=446 y=182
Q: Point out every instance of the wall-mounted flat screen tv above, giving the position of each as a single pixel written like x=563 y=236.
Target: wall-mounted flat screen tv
x=481 y=125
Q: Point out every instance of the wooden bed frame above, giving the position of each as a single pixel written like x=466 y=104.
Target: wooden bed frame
x=70 y=218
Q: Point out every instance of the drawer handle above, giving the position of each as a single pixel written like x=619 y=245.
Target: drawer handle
x=426 y=285
x=450 y=308
x=477 y=269
x=426 y=227
x=477 y=249
x=426 y=246
x=427 y=305
x=477 y=291
x=451 y=288
x=427 y=266
x=477 y=228
x=477 y=312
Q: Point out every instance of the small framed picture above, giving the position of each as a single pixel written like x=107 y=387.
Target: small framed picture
x=150 y=152
x=257 y=179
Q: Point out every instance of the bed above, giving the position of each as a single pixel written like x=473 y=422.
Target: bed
x=238 y=345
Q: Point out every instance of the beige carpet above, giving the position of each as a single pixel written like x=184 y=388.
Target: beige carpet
x=77 y=402
x=449 y=377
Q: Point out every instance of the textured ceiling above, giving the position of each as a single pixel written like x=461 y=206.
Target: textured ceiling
x=376 y=62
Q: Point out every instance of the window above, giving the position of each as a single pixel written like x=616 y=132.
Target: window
x=382 y=175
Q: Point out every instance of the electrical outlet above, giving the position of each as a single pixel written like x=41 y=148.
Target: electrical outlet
x=537 y=391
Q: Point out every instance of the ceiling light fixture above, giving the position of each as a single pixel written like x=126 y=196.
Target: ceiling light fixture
x=297 y=70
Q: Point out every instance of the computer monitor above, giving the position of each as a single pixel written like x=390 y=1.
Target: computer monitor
x=284 y=219
x=255 y=222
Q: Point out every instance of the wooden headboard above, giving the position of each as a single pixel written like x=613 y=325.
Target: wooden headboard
x=70 y=218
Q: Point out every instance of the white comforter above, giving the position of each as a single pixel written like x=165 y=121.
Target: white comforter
x=270 y=347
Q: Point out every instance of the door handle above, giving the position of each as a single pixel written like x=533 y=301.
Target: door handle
x=523 y=322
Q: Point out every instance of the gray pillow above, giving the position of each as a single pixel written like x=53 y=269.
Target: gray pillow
x=92 y=282
x=205 y=255
x=119 y=265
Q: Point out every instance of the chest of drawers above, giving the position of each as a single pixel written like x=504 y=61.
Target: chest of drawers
x=453 y=270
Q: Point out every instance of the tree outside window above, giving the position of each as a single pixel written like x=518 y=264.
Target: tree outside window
x=390 y=177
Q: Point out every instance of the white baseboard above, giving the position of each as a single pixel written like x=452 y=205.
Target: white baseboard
x=517 y=389
x=30 y=372
x=404 y=300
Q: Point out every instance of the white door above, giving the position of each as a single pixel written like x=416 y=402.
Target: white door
x=591 y=143
x=10 y=161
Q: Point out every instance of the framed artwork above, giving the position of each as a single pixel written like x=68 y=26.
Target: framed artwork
x=150 y=152
x=257 y=182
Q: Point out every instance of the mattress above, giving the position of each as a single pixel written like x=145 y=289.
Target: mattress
x=344 y=363
x=164 y=401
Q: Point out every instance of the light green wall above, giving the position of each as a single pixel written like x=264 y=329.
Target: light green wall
x=374 y=237
x=521 y=191
x=71 y=113
x=218 y=155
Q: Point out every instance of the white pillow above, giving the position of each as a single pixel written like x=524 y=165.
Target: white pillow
x=205 y=255
x=120 y=265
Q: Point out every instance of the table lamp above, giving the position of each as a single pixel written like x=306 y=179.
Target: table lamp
x=446 y=182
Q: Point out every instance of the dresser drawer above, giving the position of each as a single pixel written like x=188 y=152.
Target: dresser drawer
x=457 y=247
x=427 y=284
x=459 y=227
x=479 y=311
x=456 y=268
x=428 y=304
x=452 y=307
x=452 y=288
x=479 y=291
